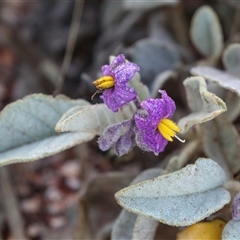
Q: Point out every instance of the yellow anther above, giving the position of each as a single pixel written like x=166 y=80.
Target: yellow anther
x=170 y=124
x=168 y=129
x=104 y=82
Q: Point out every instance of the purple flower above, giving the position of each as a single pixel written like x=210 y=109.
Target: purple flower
x=153 y=127
x=120 y=136
x=114 y=83
x=236 y=208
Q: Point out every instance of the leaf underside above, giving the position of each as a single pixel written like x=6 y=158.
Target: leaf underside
x=27 y=128
x=203 y=104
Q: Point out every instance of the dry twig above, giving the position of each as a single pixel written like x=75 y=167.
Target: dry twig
x=10 y=204
x=72 y=38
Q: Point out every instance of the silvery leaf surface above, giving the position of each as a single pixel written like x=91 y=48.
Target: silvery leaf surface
x=221 y=142
x=203 y=104
x=93 y=119
x=73 y=110
x=27 y=127
x=142 y=89
x=145 y=228
x=102 y=186
x=222 y=78
x=177 y=162
x=180 y=198
x=231 y=231
x=206 y=32
x=145 y=5
x=231 y=59
x=232 y=101
x=110 y=11
x=124 y=225
x=154 y=56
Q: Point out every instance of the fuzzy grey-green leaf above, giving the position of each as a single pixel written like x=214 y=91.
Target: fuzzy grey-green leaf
x=43 y=148
x=204 y=104
x=231 y=59
x=231 y=231
x=93 y=119
x=124 y=225
x=27 y=127
x=221 y=142
x=154 y=56
x=142 y=89
x=222 y=78
x=145 y=228
x=206 y=32
x=136 y=4
x=180 y=198
x=232 y=101
x=179 y=211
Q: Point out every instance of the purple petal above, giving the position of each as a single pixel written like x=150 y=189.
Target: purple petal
x=170 y=106
x=157 y=142
x=120 y=132
x=159 y=108
x=118 y=60
x=166 y=106
x=107 y=70
x=236 y=208
x=125 y=72
x=144 y=123
x=122 y=93
x=151 y=142
x=109 y=137
x=140 y=142
x=120 y=69
x=147 y=124
x=156 y=111
x=150 y=135
x=116 y=97
x=125 y=143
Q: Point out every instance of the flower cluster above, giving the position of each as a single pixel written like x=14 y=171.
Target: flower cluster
x=154 y=125
x=150 y=128
x=115 y=83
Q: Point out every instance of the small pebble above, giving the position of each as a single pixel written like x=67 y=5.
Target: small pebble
x=57 y=222
x=52 y=193
x=73 y=183
x=33 y=230
x=70 y=169
x=31 y=205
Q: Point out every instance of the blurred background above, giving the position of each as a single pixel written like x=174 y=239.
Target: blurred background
x=59 y=46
